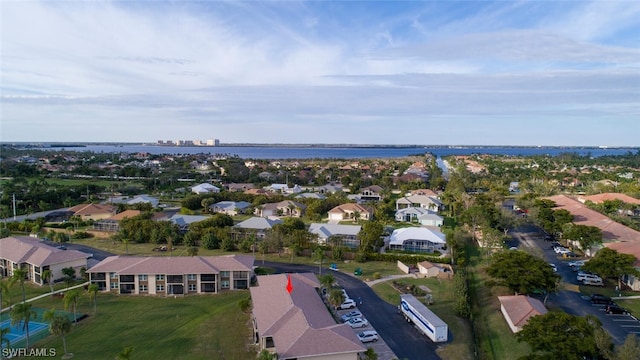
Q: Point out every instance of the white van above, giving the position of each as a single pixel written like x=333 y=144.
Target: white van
x=593 y=281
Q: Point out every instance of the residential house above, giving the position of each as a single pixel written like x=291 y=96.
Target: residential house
x=600 y=198
x=420 y=215
x=205 y=188
x=350 y=211
x=184 y=221
x=257 y=225
x=257 y=192
x=284 y=189
x=371 y=193
x=418 y=239
x=427 y=192
x=291 y=320
x=518 y=309
x=138 y=199
x=231 y=208
x=93 y=211
x=330 y=188
x=178 y=275
x=308 y=195
x=36 y=257
x=234 y=187
x=347 y=234
x=112 y=224
x=422 y=201
x=282 y=208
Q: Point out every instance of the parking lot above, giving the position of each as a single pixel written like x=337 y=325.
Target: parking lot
x=624 y=320
x=380 y=347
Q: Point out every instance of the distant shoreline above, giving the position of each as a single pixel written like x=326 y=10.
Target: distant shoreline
x=319 y=146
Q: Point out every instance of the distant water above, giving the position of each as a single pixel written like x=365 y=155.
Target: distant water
x=285 y=152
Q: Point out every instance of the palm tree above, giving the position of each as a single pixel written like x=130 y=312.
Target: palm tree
x=4 y=289
x=318 y=254
x=71 y=299
x=20 y=276
x=125 y=354
x=22 y=312
x=93 y=296
x=4 y=339
x=48 y=276
x=266 y=355
x=60 y=325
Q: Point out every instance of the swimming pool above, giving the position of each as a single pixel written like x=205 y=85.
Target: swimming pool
x=17 y=331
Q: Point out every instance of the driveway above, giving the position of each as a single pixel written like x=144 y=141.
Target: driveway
x=403 y=339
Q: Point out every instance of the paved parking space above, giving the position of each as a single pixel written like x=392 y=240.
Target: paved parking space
x=380 y=347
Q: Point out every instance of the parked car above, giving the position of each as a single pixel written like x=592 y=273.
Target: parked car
x=600 y=299
x=368 y=336
x=352 y=314
x=347 y=304
x=358 y=322
x=576 y=263
x=561 y=250
x=615 y=309
x=593 y=281
x=569 y=254
x=554 y=267
x=582 y=275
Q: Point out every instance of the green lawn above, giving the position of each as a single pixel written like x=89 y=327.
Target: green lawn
x=460 y=346
x=190 y=327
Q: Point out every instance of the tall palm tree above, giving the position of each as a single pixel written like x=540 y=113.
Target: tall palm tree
x=20 y=275
x=71 y=300
x=4 y=289
x=4 y=339
x=92 y=290
x=48 y=276
x=22 y=312
x=60 y=325
x=318 y=255
x=125 y=354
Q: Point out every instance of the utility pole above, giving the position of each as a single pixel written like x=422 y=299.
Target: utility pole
x=14 y=207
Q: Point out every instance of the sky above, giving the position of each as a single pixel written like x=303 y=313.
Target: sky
x=531 y=73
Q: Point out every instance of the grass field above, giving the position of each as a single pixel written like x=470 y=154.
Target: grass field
x=460 y=346
x=190 y=327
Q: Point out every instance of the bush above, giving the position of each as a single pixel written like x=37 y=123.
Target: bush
x=407 y=258
x=377 y=275
x=81 y=235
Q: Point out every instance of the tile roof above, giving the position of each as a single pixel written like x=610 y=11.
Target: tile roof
x=598 y=198
x=520 y=308
x=91 y=209
x=298 y=321
x=258 y=223
x=23 y=249
x=350 y=207
x=135 y=265
x=125 y=214
x=582 y=215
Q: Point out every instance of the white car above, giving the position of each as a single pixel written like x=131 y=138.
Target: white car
x=576 y=263
x=582 y=276
x=347 y=304
x=368 y=336
x=554 y=267
x=358 y=322
x=561 y=250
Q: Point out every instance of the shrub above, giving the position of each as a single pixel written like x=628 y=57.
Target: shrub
x=377 y=275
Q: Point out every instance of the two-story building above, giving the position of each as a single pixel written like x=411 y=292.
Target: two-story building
x=180 y=275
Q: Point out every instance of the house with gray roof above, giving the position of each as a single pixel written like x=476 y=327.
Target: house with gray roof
x=296 y=324
x=257 y=225
x=231 y=208
x=205 y=188
x=419 y=215
x=423 y=201
x=177 y=275
x=418 y=239
x=132 y=200
x=348 y=234
x=35 y=257
x=282 y=208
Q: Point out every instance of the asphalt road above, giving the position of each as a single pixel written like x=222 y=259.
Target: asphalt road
x=403 y=339
x=572 y=302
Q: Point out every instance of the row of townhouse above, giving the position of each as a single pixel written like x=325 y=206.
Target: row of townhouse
x=172 y=275
x=36 y=257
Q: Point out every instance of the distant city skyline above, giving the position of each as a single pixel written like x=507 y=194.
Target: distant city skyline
x=523 y=73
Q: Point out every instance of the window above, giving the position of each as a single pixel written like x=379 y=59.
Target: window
x=113 y=275
x=224 y=284
x=114 y=285
x=159 y=288
x=192 y=287
x=143 y=288
x=142 y=277
x=159 y=277
x=224 y=274
x=192 y=277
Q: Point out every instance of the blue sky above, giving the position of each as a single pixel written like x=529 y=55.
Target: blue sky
x=363 y=72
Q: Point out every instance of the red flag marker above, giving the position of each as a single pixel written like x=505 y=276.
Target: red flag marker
x=289 y=285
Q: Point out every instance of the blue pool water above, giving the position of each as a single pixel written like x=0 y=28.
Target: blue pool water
x=17 y=331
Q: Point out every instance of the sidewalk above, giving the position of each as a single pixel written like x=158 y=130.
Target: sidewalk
x=387 y=278
x=48 y=294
